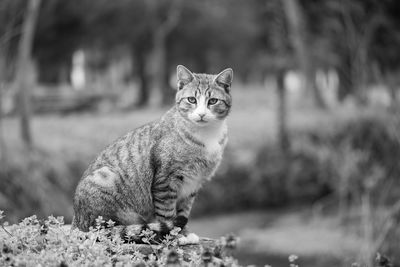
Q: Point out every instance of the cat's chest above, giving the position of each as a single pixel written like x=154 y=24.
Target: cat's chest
x=213 y=147
x=203 y=159
x=201 y=168
x=213 y=142
x=189 y=186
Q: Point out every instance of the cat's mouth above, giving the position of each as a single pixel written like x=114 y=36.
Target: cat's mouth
x=201 y=121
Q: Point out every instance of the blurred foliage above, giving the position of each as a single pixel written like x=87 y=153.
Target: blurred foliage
x=48 y=190
x=355 y=37
x=374 y=140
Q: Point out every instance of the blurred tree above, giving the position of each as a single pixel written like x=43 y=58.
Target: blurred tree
x=282 y=114
x=22 y=76
x=298 y=36
x=276 y=46
x=139 y=57
x=174 y=30
x=347 y=33
x=209 y=45
x=384 y=51
x=60 y=29
x=278 y=60
x=112 y=24
x=10 y=20
x=162 y=25
x=203 y=35
x=358 y=22
x=10 y=29
x=206 y=39
x=4 y=33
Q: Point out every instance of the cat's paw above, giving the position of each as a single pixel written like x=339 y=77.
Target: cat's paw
x=189 y=239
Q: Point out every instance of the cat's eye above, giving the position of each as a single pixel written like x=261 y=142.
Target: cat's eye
x=192 y=100
x=212 y=101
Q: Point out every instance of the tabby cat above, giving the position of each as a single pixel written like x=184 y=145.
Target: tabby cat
x=149 y=178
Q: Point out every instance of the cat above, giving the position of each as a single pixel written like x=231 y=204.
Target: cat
x=149 y=178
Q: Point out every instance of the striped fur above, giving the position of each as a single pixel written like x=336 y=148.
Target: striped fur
x=148 y=179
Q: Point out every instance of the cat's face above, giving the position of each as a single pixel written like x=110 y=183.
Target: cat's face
x=204 y=99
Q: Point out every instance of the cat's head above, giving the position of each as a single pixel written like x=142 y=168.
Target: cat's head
x=204 y=99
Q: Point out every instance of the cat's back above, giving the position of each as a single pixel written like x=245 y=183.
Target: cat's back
x=131 y=153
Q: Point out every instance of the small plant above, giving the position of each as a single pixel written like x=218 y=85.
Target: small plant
x=49 y=242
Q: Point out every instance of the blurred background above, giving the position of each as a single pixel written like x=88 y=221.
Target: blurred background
x=313 y=163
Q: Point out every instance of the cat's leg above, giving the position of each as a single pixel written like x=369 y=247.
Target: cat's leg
x=165 y=195
x=184 y=206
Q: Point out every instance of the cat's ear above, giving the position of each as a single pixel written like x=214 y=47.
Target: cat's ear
x=224 y=79
x=184 y=76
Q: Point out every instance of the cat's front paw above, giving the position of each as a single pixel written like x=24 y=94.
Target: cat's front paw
x=190 y=239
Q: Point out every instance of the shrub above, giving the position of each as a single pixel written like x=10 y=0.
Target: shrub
x=319 y=158
x=39 y=184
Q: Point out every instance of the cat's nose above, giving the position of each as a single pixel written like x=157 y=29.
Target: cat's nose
x=202 y=115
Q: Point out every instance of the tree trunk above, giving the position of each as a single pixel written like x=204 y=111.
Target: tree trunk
x=357 y=43
x=360 y=73
x=22 y=75
x=394 y=101
x=168 y=95
x=3 y=155
x=160 y=63
x=368 y=234
x=345 y=79
x=168 y=92
x=162 y=29
x=4 y=76
x=284 y=183
x=139 y=57
x=296 y=25
x=343 y=192
x=282 y=114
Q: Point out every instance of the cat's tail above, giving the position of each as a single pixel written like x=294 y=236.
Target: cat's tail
x=156 y=230
x=136 y=233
